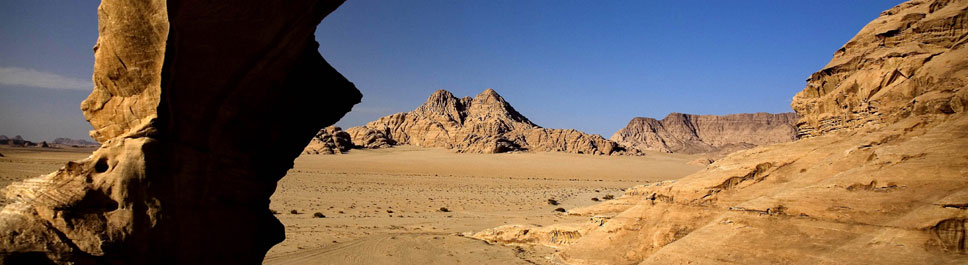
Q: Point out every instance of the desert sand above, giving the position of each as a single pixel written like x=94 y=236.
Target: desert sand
x=19 y=163
x=382 y=206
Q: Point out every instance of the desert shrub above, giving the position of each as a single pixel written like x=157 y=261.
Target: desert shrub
x=608 y=197
x=389 y=211
x=294 y=211
x=559 y=209
x=552 y=202
x=595 y=199
x=444 y=209
x=319 y=215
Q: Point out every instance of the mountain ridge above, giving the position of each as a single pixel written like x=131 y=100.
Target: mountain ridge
x=721 y=134
x=485 y=123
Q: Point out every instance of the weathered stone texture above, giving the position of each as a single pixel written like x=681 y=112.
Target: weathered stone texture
x=181 y=90
x=907 y=62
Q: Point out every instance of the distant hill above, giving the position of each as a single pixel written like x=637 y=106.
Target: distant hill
x=74 y=142
x=15 y=141
x=20 y=141
x=691 y=134
x=485 y=123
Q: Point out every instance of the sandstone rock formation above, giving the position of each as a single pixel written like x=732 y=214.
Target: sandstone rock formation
x=483 y=124
x=329 y=140
x=880 y=177
x=908 y=62
x=688 y=133
x=180 y=90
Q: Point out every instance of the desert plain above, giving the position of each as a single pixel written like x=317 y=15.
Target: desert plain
x=384 y=206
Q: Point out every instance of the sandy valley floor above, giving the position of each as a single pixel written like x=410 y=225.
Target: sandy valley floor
x=384 y=206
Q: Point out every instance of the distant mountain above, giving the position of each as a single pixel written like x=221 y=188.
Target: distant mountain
x=73 y=142
x=16 y=141
x=20 y=141
x=483 y=124
x=688 y=133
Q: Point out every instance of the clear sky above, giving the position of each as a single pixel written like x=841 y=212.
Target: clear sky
x=588 y=65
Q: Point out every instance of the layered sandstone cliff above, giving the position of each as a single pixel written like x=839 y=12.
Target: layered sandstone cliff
x=688 y=133
x=908 y=62
x=483 y=124
x=180 y=91
x=879 y=178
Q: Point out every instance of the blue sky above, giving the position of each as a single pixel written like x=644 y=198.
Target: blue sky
x=589 y=65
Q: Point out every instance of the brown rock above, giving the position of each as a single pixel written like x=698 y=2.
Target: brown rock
x=687 y=133
x=329 y=140
x=883 y=185
x=181 y=88
x=369 y=138
x=483 y=124
x=904 y=63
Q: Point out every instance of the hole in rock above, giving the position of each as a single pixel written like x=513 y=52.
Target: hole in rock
x=101 y=166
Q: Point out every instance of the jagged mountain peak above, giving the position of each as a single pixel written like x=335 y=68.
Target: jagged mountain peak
x=486 y=123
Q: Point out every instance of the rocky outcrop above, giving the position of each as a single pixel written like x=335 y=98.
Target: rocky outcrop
x=180 y=90
x=688 y=133
x=884 y=185
x=329 y=140
x=364 y=137
x=483 y=124
x=907 y=62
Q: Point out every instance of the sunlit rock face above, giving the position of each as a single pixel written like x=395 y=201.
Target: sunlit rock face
x=907 y=62
x=181 y=90
x=329 y=140
x=692 y=134
x=878 y=177
x=485 y=123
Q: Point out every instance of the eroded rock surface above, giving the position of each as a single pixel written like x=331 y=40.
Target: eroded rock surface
x=907 y=62
x=329 y=140
x=485 y=123
x=881 y=176
x=688 y=133
x=181 y=89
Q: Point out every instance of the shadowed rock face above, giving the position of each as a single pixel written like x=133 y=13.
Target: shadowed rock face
x=483 y=124
x=687 y=133
x=879 y=178
x=181 y=88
